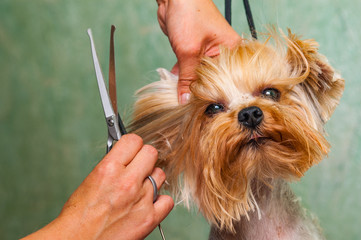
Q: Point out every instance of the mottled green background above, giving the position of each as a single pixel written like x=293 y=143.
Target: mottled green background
x=52 y=131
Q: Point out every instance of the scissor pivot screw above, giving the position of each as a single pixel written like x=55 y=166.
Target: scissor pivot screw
x=111 y=122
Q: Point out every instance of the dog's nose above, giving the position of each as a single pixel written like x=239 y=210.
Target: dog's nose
x=250 y=117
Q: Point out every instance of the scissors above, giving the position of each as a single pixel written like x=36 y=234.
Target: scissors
x=114 y=123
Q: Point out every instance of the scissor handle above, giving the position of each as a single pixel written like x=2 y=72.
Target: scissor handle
x=109 y=143
x=122 y=132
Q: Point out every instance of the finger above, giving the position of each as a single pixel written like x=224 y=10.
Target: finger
x=187 y=74
x=212 y=51
x=126 y=149
x=144 y=162
x=159 y=177
x=162 y=207
x=175 y=69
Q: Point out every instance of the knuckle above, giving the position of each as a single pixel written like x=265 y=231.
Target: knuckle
x=161 y=174
x=107 y=167
x=190 y=50
x=129 y=186
x=129 y=191
x=151 y=150
x=133 y=138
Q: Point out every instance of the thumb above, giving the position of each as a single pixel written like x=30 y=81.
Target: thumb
x=187 y=74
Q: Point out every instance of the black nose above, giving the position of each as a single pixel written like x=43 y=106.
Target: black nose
x=250 y=117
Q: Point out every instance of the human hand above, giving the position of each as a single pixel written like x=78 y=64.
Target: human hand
x=115 y=201
x=195 y=28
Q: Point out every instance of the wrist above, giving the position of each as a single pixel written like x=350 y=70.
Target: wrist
x=79 y=224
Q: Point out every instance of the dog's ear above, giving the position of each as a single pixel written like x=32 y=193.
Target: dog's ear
x=156 y=96
x=323 y=86
x=151 y=117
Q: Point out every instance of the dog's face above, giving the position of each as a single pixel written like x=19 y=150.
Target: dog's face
x=256 y=113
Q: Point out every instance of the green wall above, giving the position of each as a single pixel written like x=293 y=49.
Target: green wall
x=52 y=131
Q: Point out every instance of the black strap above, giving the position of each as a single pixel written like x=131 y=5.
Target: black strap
x=228 y=11
x=252 y=28
x=247 y=8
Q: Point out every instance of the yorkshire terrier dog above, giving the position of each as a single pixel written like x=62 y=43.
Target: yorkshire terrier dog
x=254 y=122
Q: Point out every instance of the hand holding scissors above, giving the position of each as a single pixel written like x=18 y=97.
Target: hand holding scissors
x=114 y=201
x=114 y=123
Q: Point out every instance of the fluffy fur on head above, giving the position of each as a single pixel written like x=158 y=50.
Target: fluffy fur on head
x=213 y=159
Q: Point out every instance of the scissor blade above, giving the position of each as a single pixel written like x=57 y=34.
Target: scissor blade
x=112 y=81
x=111 y=118
x=108 y=111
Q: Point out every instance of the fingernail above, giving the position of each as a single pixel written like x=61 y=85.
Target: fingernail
x=184 y=98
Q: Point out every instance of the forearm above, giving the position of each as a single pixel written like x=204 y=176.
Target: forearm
x=54 y=230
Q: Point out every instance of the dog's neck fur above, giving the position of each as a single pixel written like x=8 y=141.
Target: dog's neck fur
x=282 y=218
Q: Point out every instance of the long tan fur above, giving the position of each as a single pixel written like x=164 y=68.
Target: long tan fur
x=214 y=160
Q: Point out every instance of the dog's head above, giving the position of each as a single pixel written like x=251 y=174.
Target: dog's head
x=255 y=114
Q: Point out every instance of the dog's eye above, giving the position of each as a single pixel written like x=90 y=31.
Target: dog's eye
x=214 y=108
x=271 y=93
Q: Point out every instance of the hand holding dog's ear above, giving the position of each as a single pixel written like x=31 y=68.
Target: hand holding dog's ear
x=195 y=28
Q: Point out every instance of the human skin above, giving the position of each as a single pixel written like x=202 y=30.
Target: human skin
x=115 y=201
x=195 y=28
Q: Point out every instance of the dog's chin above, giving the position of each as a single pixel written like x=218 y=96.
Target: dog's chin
x=259 y=141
